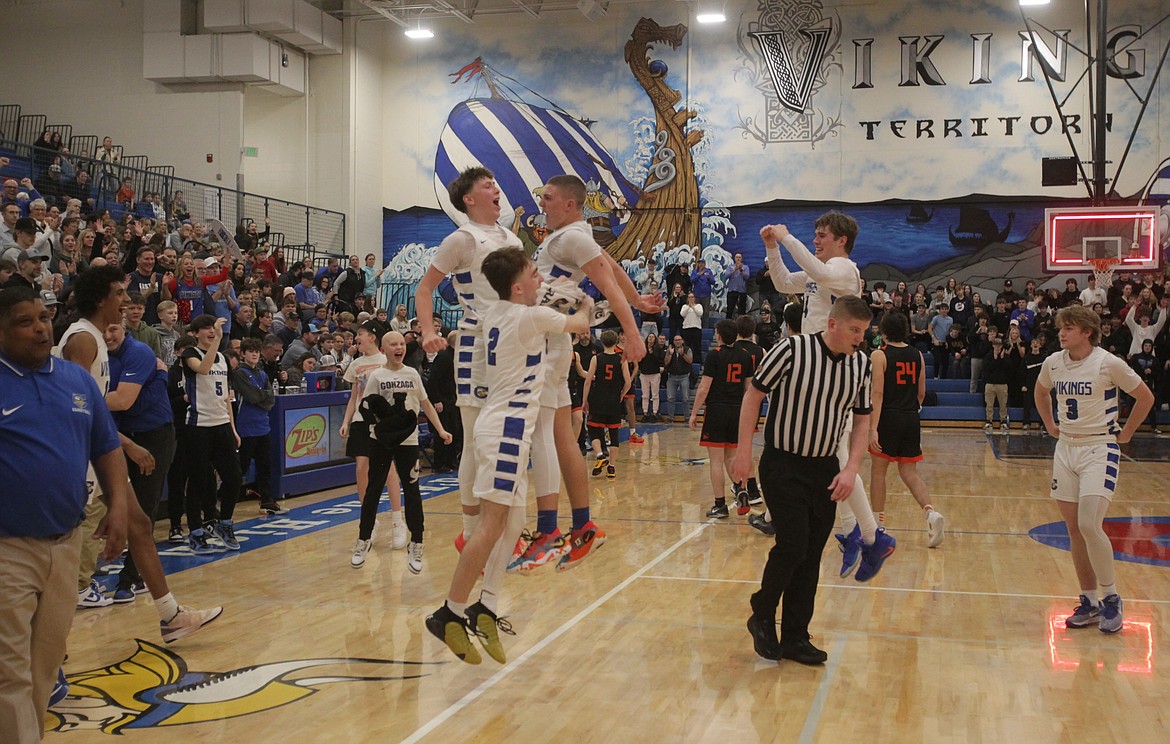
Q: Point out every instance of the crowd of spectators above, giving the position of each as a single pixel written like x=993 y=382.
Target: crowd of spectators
x=301 y=315
x=1001 y=343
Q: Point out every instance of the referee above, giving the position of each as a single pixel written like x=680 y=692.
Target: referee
x=816 y=381
x=54 y=422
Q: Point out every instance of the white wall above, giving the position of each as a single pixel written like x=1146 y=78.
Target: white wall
x=87 y=56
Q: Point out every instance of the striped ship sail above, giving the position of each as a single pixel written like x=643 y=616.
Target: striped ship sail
x=523 y=145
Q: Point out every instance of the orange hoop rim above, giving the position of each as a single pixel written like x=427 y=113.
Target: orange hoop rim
x=1104 y=264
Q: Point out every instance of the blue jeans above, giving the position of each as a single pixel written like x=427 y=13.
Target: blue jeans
x=679 y=384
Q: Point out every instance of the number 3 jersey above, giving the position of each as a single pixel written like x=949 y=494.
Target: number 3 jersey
x=1087 y=392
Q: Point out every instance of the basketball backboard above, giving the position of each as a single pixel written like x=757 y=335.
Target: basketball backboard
x=1074 y=236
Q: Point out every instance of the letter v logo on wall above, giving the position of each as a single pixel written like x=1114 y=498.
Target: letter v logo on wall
x=792 y=86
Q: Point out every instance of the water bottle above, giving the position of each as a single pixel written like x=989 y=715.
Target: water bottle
x=276 y=387
x=304 y=386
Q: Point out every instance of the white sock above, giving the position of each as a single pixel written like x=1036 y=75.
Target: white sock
x=1091 y=595
x=396 y=518
x=1107 y=590
x=469 y=523
x=459 y=608
x=167 y=607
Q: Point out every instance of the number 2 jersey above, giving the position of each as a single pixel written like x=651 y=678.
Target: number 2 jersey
x=1087 y=393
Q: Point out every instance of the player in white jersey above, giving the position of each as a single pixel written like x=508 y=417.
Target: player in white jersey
x=1086 y=381
x=475 y=193
x=515 y=330
x=212 y=440
x=828 y=274
x=99 y=294
x=570 y=253
x=392 y=397
x=357 y=432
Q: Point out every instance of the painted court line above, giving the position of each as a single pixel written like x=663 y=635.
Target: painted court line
x=486 y=685
x=813 y=720
x=897 y=589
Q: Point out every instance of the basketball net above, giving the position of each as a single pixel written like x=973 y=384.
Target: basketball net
x=1103 y=271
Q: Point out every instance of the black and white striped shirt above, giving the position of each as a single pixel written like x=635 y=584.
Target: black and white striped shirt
x=813 y=392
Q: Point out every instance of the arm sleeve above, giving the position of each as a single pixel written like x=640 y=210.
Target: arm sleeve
x=789 y=282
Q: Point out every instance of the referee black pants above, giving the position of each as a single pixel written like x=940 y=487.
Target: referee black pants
x=796 y=490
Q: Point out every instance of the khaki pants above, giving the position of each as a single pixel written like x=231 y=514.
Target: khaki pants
x=38 y=606
x=94 y=511
x=990 y=393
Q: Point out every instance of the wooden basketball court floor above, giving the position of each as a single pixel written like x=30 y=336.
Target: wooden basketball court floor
x=646 y=642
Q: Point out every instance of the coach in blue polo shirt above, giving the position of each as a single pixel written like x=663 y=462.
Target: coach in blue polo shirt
x=141 y=405
x=53 y=422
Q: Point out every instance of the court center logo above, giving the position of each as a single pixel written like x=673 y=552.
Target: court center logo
x=787 y=53
x=1134 y=539
x=154 y=688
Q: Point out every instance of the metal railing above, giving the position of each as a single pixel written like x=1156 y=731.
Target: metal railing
x=307 y=231
x=392 y=294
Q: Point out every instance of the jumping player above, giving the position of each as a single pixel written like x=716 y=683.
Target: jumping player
x=825 y=276
x=895 y=431
x=517 y=333
x=570 y=252
x=475 y=193
x=1086 y=379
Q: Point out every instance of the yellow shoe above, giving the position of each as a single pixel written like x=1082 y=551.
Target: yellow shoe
x=487 y=628
x=452 y=630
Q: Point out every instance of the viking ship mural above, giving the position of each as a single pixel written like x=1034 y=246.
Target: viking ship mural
x=977 y=229
x=524 y=143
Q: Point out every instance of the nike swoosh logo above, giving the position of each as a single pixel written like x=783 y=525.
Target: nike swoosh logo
x=10 y=411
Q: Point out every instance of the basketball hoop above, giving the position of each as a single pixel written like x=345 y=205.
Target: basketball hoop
x=1103 y=270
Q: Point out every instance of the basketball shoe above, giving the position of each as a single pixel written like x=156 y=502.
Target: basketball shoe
x=850 y=546
x=487 y=627
x=934 y=528
x=582 y=543
x=873 y=556
x=1085 y=614
x=599 y=465
x=452 y=630
x=186 y=622
x=543 y=549
x=1110 y=614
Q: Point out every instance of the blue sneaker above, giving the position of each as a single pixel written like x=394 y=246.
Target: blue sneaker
x=1084 y=615
x=60 y=688
x=125 y=593
x=225 y=530
x=873 y=556
x=1110 y=614
x=197 y=541
x=850 y=550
